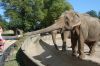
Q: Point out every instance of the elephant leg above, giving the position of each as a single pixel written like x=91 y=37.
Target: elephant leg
x=64 y=37
x=54 y=39
x=81 y=46
x=89 y=45
x=92 y=48
x=74 y=44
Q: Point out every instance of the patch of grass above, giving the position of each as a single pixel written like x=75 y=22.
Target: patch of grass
x=11 y=59
x=11 y=63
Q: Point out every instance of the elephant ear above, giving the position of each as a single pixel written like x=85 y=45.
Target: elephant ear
x=76 y=20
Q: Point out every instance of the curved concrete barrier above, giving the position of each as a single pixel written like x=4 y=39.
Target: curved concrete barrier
x=40 y=50
x=26 y=57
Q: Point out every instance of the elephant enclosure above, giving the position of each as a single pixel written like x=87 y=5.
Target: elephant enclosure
x=43 y=53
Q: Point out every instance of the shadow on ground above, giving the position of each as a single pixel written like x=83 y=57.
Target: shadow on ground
x=51 y=57
x=23 y=60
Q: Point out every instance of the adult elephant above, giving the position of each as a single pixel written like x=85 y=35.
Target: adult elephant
x=84 y=29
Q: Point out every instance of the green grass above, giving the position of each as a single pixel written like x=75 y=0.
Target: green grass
x=11 y=60
x=11 y=63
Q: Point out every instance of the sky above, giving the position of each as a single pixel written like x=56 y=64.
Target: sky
x=83 y=6
x=1 y=11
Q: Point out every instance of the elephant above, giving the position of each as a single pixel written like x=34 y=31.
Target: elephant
x=64 y=36
x=83 y=28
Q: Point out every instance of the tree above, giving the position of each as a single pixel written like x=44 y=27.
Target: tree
x=99 y=15
x=3 y=23
x=19 y=13
x=54 y=10
x=92 y=13
x=26 y=13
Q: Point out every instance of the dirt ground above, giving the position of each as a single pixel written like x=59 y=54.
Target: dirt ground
x=44 y=53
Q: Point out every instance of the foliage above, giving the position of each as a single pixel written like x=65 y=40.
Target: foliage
x=24 y=14
x=99 y=15
x=54 y=10
x=3 y=23
x=93 y=13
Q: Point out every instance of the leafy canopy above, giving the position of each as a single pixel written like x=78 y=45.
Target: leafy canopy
x=24 y=14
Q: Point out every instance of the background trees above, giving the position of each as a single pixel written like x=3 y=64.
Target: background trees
x=3 y=23
x=24 y=14
x=93 y=13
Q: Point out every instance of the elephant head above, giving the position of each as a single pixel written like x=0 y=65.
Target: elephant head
x=71 y=19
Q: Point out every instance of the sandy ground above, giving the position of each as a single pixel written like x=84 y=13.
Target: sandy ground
x=45 y=54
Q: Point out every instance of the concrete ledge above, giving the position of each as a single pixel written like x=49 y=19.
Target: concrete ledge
x=26 y=58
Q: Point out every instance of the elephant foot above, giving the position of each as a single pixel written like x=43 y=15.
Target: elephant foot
x=91 y=54
x=64 y=52
x=64 y=48
x=74 y=54
x=56 y=47
x=82 y=57
x=70 y=46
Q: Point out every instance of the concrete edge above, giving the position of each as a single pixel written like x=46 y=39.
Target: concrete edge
x=24 y=45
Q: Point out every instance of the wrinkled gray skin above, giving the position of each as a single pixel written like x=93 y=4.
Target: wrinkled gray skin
x=84 y=29
x=64 y=36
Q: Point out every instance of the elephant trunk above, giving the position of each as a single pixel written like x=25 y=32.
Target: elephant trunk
x=55 y=26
